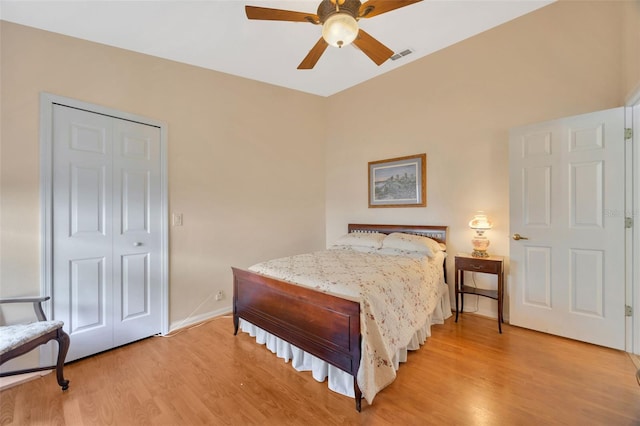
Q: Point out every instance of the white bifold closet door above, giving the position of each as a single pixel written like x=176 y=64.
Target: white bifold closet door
x=106 y=229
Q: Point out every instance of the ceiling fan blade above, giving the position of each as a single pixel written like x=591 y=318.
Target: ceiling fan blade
x=314 y=54
x=267 y=14
x=371 y=47
x=377 y=7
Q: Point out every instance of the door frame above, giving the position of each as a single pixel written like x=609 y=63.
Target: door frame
x=633 y=297
x=47 y=102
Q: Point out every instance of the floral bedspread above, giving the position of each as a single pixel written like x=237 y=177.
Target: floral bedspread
x=397 y=293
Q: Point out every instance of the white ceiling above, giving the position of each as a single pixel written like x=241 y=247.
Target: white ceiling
x=216 y=34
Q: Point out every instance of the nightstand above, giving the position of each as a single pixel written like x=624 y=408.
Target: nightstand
x=486 y=265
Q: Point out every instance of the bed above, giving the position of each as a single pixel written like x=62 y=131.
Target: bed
x=319 y=323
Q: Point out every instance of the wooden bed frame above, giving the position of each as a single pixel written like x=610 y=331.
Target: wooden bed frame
x=323 y=325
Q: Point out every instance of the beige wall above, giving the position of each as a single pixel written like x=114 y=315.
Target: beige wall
x=246 y=160
x=631 y=43
x=458 y=105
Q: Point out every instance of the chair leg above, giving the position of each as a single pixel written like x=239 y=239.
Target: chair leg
x=63 y=348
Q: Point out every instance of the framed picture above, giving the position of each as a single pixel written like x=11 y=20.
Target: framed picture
x=398 y=182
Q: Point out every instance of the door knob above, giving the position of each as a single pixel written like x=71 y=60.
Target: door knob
x=138 y=244
x=519 y=237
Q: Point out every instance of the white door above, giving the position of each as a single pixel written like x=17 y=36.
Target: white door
x=567 y=196
x=106 y=229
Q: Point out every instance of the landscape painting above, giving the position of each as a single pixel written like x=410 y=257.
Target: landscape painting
x=398 y=182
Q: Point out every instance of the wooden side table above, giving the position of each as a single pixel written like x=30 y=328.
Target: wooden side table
x=487 y=265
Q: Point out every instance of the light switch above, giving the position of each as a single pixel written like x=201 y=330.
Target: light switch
x=177 y=219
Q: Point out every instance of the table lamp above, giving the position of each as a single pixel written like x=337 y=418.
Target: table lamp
x=480 y=223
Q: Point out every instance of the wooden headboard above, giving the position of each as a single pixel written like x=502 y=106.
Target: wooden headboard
x=438 y=233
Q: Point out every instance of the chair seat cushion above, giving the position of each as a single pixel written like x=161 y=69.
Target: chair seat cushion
x=12 y=336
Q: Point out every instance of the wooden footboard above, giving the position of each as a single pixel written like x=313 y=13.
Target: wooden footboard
x=321 y=324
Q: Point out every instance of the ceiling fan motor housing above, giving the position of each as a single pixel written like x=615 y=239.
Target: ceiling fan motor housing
x=329 y=7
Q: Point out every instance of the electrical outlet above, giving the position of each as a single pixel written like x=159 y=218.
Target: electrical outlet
x=219 y=295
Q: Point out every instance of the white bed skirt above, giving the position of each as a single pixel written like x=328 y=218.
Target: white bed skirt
x=338 y=380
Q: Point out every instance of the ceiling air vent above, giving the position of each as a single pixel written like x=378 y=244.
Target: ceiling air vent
x=401 y=54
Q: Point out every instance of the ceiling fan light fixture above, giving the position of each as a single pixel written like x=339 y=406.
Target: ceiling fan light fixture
x=340 y=29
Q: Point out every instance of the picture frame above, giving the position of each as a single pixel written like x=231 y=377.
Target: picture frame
x=398 y=182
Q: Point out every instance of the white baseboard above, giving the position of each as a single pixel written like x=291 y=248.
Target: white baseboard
x=187 y=322
x=11 y=381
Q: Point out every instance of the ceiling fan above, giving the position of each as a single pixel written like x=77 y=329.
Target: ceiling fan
x=339 y=20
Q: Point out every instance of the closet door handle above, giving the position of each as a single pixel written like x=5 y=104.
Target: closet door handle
x=137 y=244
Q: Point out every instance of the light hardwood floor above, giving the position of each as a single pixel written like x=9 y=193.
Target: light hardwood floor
x=466 y=374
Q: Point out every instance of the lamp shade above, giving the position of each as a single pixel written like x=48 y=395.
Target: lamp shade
x=340 y=29
x=481 y=222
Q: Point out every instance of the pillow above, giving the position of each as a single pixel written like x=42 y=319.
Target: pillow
x=361 y=239
x=410 y=242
